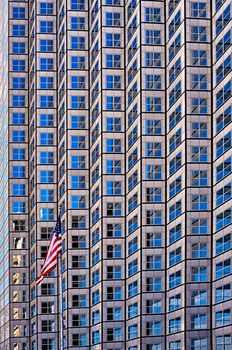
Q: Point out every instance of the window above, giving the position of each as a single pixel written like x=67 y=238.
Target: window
x=175 y=210
x=175 y=164
x=199 y=58
x=113 y=61
x=46 y=8
x=223 y=45
x=175 y=279
x=154 y=240
x=199 y=344
x=199 y=321
x=223 y=293
x=18 y=153
x=154 y=284
x=19 y=208
x=154 y=262
x=223 y=268
x=19 y=189
x=132 y=268
x=78 y=62
x=153 y=104
x=77 y=42
x=152 y=14
x=199 y=298
x=223 y=219
x=175 y=345
x=199 y=82
x=199 y=106
x=174 y=70
x=18 y=172
x=153 y=127
x=224 y=119
x=174 y=325
x=175 y=234
x=48 y=344
x=199 y=130
x=175 y=141
x=174 y=25
x=175 y=47
x=18 y=118
x=113 y=40
x=199 y=154
x=112 y=19
x=18 y=83
x=46 y=64
x=175 y=302
x=153 y=59
x=18 y=30
x=113 y=124
x=78 y=5
x=222 y=318
x=154 y=306
x=18 y=12
x=153 y=149
x=153 y=172
x=223 y=244
x=153 y=82
x=132 y=331
x=224 y=94
x=172 y=4
x=153 y=37
x=222 y=20
x=223 y=342
x=175 y=117
x=198 y=9
x=46 y=27
x=224 y=194
x=224 y=69
x=223 y=169
x=199 y=226
x=175 y=187
x=199 y=202
x=153 y=217
x=199 y=274
x=199 y=250
x=198 y=34
x=175 y=256
x=18 y=65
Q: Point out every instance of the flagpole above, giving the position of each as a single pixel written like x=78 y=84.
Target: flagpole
x=61 y=330
x=61 y=302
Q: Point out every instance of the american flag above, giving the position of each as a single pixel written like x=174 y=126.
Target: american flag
x=52 y=254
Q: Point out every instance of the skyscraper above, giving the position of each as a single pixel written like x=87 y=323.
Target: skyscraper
x=117 y=115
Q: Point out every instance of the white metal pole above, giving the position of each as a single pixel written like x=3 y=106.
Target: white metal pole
x=61 y=303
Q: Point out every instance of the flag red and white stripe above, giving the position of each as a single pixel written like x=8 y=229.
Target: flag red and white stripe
x=52 y=254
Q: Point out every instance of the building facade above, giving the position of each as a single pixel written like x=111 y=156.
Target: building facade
x=117 y=114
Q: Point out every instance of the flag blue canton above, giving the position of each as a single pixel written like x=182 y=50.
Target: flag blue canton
x=58 y=228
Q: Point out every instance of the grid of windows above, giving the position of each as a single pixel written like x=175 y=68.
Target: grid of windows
x=119 y=118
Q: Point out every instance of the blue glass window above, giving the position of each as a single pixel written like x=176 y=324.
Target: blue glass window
x=46 y=26
x=19 y=189
x=18 y=48
x=18 y=65
x=18 y=83
x=46 y=8
x=18 y=118
x=18 y=136
x=46 y=45
x=19 y=207
x=46 y=63
x=18 y=29
x=19 y=154
x=18 y=12
x=18 y=172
